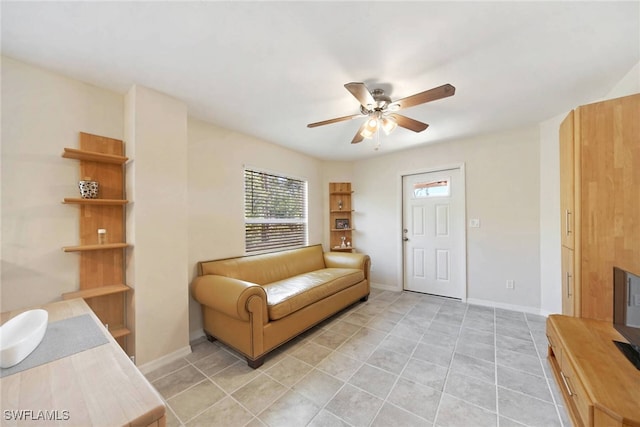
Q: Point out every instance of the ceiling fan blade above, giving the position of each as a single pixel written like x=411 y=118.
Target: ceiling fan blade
x=423 y=97
x=336 y=120
x=408 y=123
x=357 y=137
x=362 y=94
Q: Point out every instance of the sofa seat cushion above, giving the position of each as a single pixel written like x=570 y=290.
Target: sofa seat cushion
x=289 y=295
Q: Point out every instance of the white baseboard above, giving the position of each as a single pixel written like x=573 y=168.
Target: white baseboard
x=494 y=304
x=384 y=287
x=165 y=360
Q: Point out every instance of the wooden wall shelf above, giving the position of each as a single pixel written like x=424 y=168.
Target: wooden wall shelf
x=96 y=292
x=106 y=246
x=102 y=266
x=340 y=208
x=93 y=156
x=119 y=332
x=100 y=202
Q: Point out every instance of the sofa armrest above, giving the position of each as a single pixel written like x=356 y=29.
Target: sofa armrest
x=348 y=260
x=228 y=295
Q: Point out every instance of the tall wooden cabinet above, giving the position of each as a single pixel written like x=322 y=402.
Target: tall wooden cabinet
x=600 y=202
x=340 y=217
x=569 y=174
x=102 y=264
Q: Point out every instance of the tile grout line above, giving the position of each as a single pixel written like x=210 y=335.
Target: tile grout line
x=360 y=327
x=398 y=376
x=362 y=364
x=407 y=306
x=207 y=377
x=453 y=354
x=553 y=397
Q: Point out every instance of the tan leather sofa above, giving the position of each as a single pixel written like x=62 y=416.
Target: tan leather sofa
x=256 y=303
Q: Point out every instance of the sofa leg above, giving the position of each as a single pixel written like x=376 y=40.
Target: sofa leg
x=255 y=364
x=365 y=298
x=210 y=338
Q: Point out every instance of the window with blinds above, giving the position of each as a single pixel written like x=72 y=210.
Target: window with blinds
x=275 y=211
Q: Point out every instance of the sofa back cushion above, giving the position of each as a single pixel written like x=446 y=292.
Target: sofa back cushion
x=267 y=268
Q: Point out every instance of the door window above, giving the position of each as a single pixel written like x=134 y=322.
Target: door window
x=426 y=189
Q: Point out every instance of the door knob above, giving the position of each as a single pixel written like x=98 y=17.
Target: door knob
x=405 y=239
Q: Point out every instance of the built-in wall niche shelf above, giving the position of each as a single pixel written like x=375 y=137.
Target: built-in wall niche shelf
x=340 y=217
x=93 y=156
x=102 y=264
x=84 y=248
x=341 y=249
x=100 y=202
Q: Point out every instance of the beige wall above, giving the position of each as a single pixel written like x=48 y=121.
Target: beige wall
x=216 y=193
x=157 y=223
x=42 y=112
x=502 y=188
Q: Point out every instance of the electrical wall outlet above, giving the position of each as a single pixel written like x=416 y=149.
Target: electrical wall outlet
x=510 y=284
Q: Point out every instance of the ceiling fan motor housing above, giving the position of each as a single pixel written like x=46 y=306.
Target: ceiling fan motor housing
x=382 y=101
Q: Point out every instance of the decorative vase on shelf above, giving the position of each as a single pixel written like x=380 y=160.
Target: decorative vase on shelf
x=339 y=204
x=88 y=189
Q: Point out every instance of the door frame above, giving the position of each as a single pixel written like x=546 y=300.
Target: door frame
x=400 y=204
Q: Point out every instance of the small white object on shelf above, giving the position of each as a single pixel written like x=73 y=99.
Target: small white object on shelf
x=21 y=335
x=102 y=236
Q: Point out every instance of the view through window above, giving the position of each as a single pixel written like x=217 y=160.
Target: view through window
x=275 y=211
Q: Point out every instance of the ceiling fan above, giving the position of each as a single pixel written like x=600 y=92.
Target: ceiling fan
x=381 y=111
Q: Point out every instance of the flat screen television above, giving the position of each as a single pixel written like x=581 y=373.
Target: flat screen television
x=626 y=313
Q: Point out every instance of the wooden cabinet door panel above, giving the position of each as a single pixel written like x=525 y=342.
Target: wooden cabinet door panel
x=567 y=212
x=609 y=199
x=568 y=283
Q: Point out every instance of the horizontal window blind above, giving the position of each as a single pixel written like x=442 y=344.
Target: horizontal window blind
x=275 y=210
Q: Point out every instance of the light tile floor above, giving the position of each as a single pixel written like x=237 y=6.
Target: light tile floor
x=400 y=359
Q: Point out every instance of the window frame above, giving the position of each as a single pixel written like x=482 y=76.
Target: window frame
x=250 y=220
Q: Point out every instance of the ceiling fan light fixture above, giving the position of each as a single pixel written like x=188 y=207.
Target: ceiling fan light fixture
x=372 y=123
x=388 y=125
x=371 y=127
x=367 y=133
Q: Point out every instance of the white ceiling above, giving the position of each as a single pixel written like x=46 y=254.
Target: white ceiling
x=268 y=69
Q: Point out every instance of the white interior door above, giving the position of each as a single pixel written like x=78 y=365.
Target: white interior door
x=434 y=233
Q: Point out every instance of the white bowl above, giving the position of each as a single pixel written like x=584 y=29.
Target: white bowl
x=21 y=335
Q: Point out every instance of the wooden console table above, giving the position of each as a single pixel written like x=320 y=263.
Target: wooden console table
x=95 y=387
x=599 y=385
